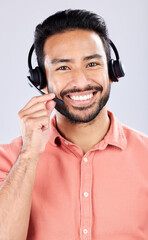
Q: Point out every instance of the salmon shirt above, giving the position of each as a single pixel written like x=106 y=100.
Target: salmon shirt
x=100 y=195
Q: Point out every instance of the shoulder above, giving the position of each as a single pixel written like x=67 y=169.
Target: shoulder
x=135 y=137
x=9 y=152
x=12 y=146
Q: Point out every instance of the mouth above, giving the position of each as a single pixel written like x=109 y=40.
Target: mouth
x=81 y=98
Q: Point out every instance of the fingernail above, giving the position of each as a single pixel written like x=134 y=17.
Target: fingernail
x=52 y=95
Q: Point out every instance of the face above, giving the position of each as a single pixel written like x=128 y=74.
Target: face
x=77 y=72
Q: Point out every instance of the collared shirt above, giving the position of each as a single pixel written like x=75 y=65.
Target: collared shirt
x=102 y=195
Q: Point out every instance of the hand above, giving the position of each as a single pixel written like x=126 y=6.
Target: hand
x=34 y=121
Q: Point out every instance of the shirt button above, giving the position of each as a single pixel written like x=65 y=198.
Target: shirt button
x=86 y=194
x=85 y=231
x=85 y=159
x=66 y=143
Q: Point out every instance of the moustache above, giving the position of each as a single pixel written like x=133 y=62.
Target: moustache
x=68 y=91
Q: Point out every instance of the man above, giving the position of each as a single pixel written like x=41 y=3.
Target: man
x=81 y=174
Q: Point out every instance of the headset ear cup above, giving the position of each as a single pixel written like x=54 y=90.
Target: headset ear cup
x=44 y=80
x=112 y=73
x=119 y=69
x=37 y=78
x=41 y=77
x=116 y=70
x=34 y=77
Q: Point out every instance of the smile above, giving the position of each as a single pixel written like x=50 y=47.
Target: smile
x=81 y=98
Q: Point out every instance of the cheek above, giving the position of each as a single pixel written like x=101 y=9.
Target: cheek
x=101 y=78
x=54 y=83
x=106 y=79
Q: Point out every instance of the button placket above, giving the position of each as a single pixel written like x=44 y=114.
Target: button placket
x=86 y=208
x=85 y=159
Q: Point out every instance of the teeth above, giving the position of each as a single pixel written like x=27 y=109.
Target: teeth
x=82 y=98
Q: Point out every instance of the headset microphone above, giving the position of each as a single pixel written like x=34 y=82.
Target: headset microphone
x=57 y=100
x=38 y=80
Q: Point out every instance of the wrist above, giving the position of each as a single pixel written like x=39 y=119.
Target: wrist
x=30 y=154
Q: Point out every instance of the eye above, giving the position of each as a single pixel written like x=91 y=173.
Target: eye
x=63 y=68
x=92 y=64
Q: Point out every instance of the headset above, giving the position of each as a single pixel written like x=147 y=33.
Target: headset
x=37 y=77
x=38 y=80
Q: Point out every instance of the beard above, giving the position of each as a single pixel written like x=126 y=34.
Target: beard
x=89 y=115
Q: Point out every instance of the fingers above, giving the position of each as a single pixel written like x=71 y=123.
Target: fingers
x=34 y=121
x=37 y=110
x=39 y=99
x=36 y=114
x=36 y=104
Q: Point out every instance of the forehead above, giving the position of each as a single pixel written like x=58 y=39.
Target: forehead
x=73 y=42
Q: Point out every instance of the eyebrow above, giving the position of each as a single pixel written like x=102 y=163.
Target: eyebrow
x=92 y=56
x=60 y=60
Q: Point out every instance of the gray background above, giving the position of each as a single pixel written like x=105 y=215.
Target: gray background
x=127 y=23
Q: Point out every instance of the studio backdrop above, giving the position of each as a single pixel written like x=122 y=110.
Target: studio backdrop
x=127 y=25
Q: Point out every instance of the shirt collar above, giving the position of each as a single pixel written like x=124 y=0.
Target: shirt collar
x=115 y=135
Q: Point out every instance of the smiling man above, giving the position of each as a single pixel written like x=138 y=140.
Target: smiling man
x=80 y=174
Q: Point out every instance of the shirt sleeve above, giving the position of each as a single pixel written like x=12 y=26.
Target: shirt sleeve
x=8 y=155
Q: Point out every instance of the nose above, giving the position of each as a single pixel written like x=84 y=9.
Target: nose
x=79 y=79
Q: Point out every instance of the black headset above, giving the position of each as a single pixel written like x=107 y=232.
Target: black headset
x=38 y=80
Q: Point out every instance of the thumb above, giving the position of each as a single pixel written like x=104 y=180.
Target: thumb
x=50 y=105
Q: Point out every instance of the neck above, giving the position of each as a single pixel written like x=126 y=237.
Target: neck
x=84 y=135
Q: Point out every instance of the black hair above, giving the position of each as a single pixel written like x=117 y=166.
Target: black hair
x=63 y=21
